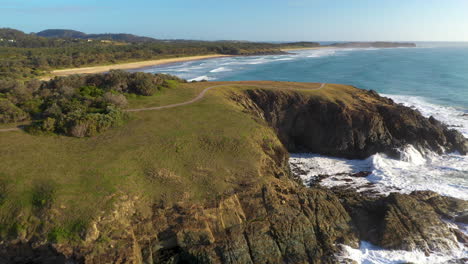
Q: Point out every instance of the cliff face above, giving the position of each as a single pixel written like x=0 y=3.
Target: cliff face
x=357 y=129
x=280 y=220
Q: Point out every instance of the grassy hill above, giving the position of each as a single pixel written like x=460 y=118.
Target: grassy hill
x=194 y=152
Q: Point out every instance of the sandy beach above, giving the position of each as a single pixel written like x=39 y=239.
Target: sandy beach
x=127 y=66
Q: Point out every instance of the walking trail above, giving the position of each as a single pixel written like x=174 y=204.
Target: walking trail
x=191 y=101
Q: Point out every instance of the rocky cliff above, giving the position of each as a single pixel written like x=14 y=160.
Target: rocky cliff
x=278 y=220
x=359 y=124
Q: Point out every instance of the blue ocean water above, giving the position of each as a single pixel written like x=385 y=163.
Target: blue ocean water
x=437 y=73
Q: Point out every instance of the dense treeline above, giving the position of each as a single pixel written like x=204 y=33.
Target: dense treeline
x=77 y=105
x=66 y=33
x=27 y=55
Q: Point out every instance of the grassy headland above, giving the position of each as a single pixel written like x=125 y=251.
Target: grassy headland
x=191 y=153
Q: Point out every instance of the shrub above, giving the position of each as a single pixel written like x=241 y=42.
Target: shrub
x=70 y=232
x=77 y=105
x=48 y=125
x=118 y=100
x=90 y=125
x=91 y=91
x=142 y=85
x=42 y=196
x=10 y=113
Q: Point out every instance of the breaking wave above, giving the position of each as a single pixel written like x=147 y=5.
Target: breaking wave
x=370 y=254
x=445 y=174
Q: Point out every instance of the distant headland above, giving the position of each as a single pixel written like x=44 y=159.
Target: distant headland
x=377 y=44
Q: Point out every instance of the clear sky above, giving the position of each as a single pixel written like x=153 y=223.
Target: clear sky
x=257 y=20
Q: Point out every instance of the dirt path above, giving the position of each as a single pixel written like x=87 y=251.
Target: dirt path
x=191 y=101
x=202 y=94
x=9 y=129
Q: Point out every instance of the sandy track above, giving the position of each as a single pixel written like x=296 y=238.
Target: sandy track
x=9 y=129
x=191 y=101
x=202 y=94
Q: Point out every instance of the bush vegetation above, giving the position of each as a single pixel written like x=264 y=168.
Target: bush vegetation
x=28 y=55
x=78 y=105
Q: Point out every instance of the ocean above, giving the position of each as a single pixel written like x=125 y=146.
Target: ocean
x=432 y=78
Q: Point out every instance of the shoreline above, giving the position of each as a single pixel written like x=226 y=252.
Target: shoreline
x=143 y=64
x=127 y=66
x=310 y=48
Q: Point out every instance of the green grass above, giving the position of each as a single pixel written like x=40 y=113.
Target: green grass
x=174 y=94
x=195 y=152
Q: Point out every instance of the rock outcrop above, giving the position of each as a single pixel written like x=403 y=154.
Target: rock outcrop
x=279 y=222
x=357 y=129
x=405 y=221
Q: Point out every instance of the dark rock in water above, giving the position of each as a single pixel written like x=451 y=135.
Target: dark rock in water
x=462 y=218
x=361 y=174
x=448 y=207
x=356 y=128
x=402 y=221
x=461 y=237
x=458 y=261
x=410 y=224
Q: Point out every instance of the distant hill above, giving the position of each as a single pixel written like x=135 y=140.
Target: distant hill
x=380 y=44
x=61 y=33
x=9 y=33
x=67 y=33
x=305 y=44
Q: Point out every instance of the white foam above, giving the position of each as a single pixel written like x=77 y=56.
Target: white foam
x=370 y=254
x=258 y=61
x=285 y=59
x=318 y=55
x=315 y=165
x=451 y=116
x=201 y=78
x=221 y=69
x=444 y=174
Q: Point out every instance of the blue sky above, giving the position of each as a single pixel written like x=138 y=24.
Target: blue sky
x=258 y=20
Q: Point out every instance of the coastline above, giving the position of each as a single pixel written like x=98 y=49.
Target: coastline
x=127 y=66
x=310 y=48
x=144 y=64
